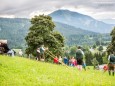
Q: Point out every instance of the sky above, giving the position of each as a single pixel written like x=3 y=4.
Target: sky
x=98 y=9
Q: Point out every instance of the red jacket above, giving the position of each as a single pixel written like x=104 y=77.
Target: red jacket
x=56 y=60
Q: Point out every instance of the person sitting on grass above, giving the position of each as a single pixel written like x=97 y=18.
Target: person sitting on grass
x=105 y=68
x=56 y=60
x=65 y=59
x=60 y=60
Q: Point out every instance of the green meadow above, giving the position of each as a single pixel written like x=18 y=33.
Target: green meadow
x=18 y=71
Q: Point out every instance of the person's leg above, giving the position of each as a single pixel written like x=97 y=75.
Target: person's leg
x=39 y=57
x=113 y=70
x=109 y=69
x=113 y=73
x=109 y=72
x=80 y=67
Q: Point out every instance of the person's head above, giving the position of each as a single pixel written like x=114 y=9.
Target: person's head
x=42 y=45
x=72 y=57
x=79 y=47
x=59 y=56
x=111 y=52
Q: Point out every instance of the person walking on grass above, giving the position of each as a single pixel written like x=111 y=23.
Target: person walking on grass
x=42 y=50
x=79 y=57
x=56 y=60
x=38 y=54
x=111 y=64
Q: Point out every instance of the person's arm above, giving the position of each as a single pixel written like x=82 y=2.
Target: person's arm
x=82 y=52
x=43 y=48
x=108 y=57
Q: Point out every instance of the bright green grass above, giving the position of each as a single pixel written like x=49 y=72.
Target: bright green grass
x=20 y=71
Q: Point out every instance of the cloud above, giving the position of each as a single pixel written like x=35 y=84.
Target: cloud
x=29 y=8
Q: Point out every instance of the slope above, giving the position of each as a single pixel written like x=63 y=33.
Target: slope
x=20 y=71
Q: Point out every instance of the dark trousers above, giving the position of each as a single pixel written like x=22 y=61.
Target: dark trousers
x=111 y=68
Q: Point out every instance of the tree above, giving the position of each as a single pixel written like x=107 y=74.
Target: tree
x=111 y=46
x=100 y=48
x=42 y=33
x=95 y=62
x=94 y=46
x=73 y=51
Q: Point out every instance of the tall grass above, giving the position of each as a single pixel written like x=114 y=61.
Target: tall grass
x=18 y=71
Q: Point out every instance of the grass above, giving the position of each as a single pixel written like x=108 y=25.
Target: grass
x=18 y=71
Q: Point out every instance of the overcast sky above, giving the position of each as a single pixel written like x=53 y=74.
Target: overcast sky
x=98 y=9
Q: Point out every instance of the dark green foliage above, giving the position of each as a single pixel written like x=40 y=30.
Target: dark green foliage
x=42 y=33
x=73 y=51
x=95 y=62
x=15 y=30
x=100 y=48
x=111 y=46
x=88 y=57
x=94 y=46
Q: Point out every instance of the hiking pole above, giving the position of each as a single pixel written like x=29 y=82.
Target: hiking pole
x=51 y=53
x=53 y=58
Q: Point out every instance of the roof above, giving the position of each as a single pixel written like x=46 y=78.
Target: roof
x=3 y=41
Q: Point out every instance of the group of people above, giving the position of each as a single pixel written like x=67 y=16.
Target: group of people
x=77 y=61
x=73 y=61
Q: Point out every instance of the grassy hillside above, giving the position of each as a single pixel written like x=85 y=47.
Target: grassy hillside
x=19 y=71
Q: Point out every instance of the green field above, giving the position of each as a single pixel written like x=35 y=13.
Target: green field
x=18 y=71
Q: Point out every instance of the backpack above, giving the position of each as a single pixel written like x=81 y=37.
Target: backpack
x=112 y=59
x=41 y=50
x=79 y=54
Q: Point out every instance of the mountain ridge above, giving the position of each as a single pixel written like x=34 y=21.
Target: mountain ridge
x=79 y=20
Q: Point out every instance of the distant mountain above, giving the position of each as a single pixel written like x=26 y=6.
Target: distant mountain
x=109 y=21
x=81 y=21
x=68 y=30
x=15 y=29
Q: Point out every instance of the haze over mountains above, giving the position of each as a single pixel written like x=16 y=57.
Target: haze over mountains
x=75 y=27
x=81 y=21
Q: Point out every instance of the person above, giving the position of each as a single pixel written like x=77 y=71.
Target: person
x=42 y=50
x=38 y=58
x=105 y=68
x=20 y=53
x=11 y=52
x=79 y=57
x=73 y=62
x=111 y=63
x=56 y=60
x=65 y=59
x=60 y=60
